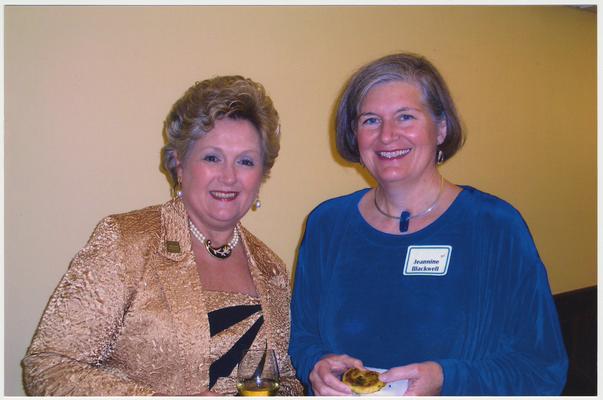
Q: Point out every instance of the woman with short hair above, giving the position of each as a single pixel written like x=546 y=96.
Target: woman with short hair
x=165 y=300
x=432 y=282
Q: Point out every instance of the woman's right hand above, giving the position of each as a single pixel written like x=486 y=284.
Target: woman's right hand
x=326 y=372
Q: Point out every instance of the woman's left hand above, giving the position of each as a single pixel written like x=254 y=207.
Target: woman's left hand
x=424 y=379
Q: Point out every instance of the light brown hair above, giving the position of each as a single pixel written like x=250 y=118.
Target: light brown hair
x=405 y=67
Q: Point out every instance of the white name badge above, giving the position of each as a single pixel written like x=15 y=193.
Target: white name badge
x=427 y=260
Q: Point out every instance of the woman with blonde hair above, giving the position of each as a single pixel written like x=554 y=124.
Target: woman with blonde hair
x=165 y=300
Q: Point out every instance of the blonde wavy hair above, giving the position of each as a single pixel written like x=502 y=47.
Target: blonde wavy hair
x=196 y=112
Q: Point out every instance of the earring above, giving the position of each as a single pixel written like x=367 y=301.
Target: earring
x=177 y=189
x=440 y=157
x=257 y=204
x=176 y=192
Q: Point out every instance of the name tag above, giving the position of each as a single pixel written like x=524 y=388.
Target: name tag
x=427 y=260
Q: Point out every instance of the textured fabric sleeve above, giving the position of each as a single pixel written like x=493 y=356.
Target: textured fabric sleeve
x=289 y=384
x=80 y=323
x=518 y=349
x=306 y=346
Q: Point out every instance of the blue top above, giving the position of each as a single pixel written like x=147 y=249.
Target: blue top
x=473 y=295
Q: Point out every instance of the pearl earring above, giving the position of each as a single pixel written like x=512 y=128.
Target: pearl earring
x=177 y=189
x=176 y=192
x=257 y=203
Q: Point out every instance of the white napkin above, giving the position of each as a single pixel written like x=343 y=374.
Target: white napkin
x=397 y=388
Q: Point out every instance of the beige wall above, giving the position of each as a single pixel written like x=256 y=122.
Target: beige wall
x=87 y=90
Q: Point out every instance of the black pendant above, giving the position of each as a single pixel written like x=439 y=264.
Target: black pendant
x=404 y=221
x=221 y=252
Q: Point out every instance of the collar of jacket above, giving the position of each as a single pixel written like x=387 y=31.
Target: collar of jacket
x=175 y=236
x=175 y=242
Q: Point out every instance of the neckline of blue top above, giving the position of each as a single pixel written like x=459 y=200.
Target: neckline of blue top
x=372 y=234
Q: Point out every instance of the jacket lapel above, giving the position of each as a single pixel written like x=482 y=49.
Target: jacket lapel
x=262 y=270
x=184 y=295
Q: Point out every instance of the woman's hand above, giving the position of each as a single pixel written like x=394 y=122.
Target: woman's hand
x=424 y=379
x=325 y=374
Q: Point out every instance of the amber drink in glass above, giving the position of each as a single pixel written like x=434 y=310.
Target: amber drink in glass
x=258 y=374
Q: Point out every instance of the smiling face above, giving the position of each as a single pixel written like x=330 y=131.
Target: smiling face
x=221 y=175
x=397 y=134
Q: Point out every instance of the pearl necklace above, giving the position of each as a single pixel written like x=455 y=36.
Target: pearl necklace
x=405 y=216
x=221 y=252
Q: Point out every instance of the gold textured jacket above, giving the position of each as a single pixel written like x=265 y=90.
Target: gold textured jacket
x=128 y=317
